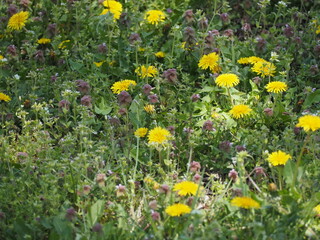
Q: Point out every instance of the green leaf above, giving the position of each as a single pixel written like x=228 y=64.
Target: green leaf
x=312 y=98
x=102 y=109
x=288 y=172
x=95 y=211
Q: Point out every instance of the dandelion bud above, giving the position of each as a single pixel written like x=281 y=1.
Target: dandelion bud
x=240 y=148
x=195 y=97
x=97 y=228
x=82 y=86
x=86 y=189
x=155 y=216
x=146 y=89
x=203 y=23
x=224 y=17
x=124 y=98
x=100 y=179
x=268 y=112
x=121 y=190
x=233 y=174
x=195 y=166
x=123 y=111
x=170 y=75
x=86 y=101
x=102 y=48
x=70 y=214
x=153 y=98
x=164 y=188
x=208 y=126
x=225 y=146
x=188 y=16
x=64 y=104
x=134 y=37
x=153 y=204
x=228 y=33
x=272 y=187
x=196 y=178
x=288 y=31
x=12 y=9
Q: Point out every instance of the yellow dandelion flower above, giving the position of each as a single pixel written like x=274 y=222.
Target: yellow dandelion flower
x=140 y=49
x=158 y=135
x=245 y=202
x=99 y=64
x=264 y=68
x=123 y=85
x=114 y=7
x=3 y=60
x=4 y=97
x=227 y=80
x=209 y=61
x=318 y=30
x=278 y=158
x=276 y=87
x=160 y=54
x=186 y=188
x=144 y=71
x=177 y=209
x=141 y=132
x=309 y=122
x=250 y=60
x=63 y=45
x=215 y=115
x=149 y=108
x=240 y=111
x=155 y=16
x=44 y=41
x=18 y=20
x=317 y=209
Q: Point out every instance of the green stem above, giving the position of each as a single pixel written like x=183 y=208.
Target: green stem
x=299 y=158
x=137 y=156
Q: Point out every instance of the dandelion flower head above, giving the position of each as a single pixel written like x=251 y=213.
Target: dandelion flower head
x=149 y=108
x=4 y=97
x=278 y=158
x=158 y=135
x=123 y=85
x=63 y=45
x=227 y=80
x=276 y=87
x=155 y=16
x=209 y=61
x=177 y=209
x=240 y=111
x=160 y=54
x=264 y=68
x=251 y=60
x=18 y=20
x=309 y=122
x=99 y=64
x=114 y=7
x=245 y=202
x=144 y=71
x=186 y=188
x=44 y=41
x=317 y=209
x=141 y=132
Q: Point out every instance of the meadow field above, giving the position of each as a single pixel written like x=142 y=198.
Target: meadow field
x=178 y=119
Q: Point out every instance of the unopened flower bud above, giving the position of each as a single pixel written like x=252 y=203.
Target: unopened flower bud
x=164 y=188
x=97 y=228
x=288 y=31
x=195 y=97
x=240 y=148
x=86 y=101
x=134 y=38
x=195 y=166
x=102 y=48
x=171 y=75
x=268 y=112
x=64 y=104
x=124 y=98
x=203 y=23
x=70 y=214
x=208 y=126
x=188 y=16
x=233 y=174
x=146 y=89
x=272 y=187
x=153 y=204
x=82 y=86
x=153 y=98
x=120 y=190
x=86 y=189
x=224 y=17
x=155 y=216
x=228 y=33
x=196 y=178
x=225 y=146
x=100 y=179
